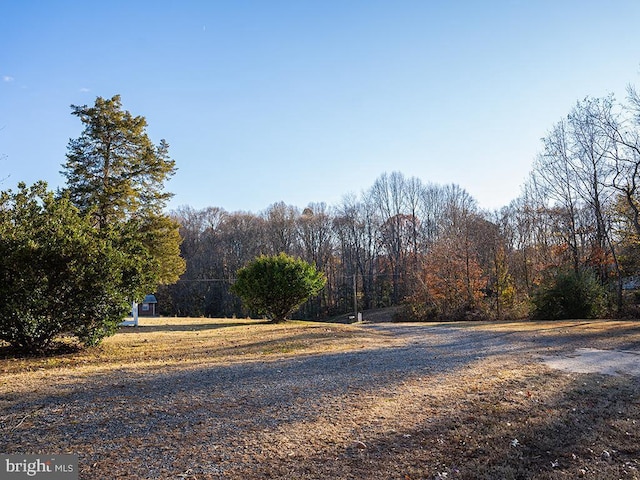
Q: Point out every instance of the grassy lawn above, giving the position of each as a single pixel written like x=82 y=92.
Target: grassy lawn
x=166 y=342
x=212 y=398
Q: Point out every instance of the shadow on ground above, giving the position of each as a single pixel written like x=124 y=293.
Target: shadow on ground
x=464 y=402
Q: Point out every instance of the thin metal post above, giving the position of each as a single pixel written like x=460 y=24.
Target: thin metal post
x=355 y=297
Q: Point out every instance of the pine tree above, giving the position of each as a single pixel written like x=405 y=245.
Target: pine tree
x=113 y=169
x=116 y=174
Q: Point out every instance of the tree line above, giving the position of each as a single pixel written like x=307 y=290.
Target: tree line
x=71 y=261
x=376 y=249
x=431 y=248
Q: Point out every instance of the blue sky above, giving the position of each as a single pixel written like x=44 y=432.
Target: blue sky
x=306 y=101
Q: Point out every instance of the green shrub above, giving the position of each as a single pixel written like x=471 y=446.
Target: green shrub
x=60 y=275
x=276 y=285
x=568 y=295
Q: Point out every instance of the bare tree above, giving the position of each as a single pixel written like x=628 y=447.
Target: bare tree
x=317 y=244
x=280 y=223
x=388 y=194
x=622 y=128
x=554 y=177
x=590 y=161
x=356 y=226
x=194 y=294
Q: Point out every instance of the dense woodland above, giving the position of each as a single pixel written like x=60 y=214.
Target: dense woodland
x=430 y=247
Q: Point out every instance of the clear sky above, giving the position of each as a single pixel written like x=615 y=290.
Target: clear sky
x=305 y=101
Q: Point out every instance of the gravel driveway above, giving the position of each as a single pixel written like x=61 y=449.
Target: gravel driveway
x=562 y=350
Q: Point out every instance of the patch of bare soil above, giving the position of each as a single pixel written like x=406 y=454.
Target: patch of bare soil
x=593 y=360
x=216 y=400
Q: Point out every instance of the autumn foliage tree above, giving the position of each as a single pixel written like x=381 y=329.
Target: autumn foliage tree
x=431 y=247
x=450 y=286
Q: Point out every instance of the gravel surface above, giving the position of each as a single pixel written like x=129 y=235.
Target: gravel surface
x=256 y=419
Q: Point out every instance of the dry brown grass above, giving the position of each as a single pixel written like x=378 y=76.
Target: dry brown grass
x=171 y=340
x=209 y=399
x=169 y=343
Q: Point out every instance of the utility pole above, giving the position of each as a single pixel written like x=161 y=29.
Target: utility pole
x=355 y=297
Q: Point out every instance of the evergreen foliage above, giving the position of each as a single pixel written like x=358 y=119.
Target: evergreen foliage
x=113 y=168
x=59 y=275
x=276 y=285
x=569 y=295
x=116 y=174
x=160 y=234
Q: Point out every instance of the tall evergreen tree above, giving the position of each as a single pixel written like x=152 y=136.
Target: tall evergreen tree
x=116 y=174
x=113 y=169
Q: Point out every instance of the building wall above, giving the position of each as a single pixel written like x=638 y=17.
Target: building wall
x=147 y=310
